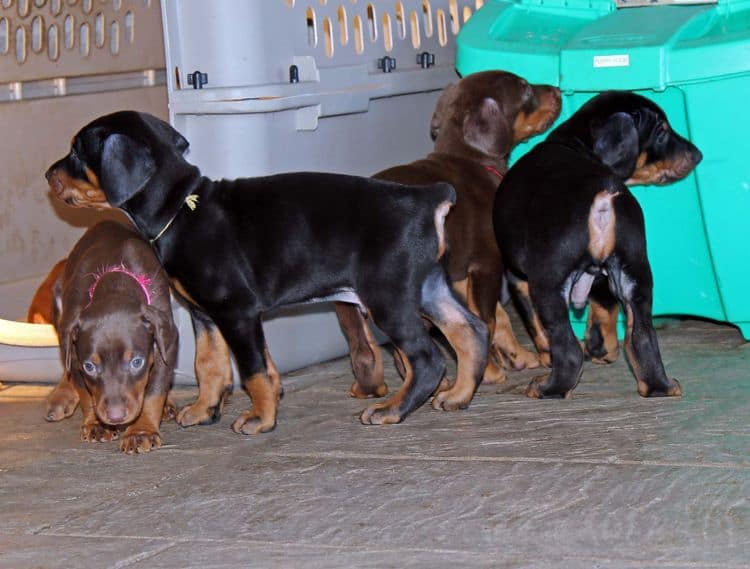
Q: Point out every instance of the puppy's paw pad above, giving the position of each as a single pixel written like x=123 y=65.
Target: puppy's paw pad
x=140 y=443
x=250 y=423
x=358 y=392
x=380 y=415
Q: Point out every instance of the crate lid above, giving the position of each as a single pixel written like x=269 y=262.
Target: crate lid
x=593 y=45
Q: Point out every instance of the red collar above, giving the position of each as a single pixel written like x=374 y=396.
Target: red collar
x=493 y=170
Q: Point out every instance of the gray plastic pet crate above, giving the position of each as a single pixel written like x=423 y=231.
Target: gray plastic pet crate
x=260 y=87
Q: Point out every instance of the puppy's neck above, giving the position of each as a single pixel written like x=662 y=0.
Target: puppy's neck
x=460 y=149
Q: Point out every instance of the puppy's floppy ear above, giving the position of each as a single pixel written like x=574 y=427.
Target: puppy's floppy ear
x=163 y=328
x=441 y=109
x=126 y=167
x=486 y=128
x=616 y=143
x=167 y=133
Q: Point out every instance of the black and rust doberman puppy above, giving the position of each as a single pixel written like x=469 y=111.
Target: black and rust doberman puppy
x=117 y=338
x=476 y=123
x=569 y=228
x=237 y=248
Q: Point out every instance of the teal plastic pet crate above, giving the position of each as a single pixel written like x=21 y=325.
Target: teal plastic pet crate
x=694 y=61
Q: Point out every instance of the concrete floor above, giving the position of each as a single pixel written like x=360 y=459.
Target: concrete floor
x=606 y=479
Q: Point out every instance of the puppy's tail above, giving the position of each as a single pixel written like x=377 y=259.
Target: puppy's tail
x=446 y=199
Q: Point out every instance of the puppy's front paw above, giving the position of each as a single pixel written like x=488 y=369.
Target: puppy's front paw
x=252 y=423
x=540 y=387
x=60 y=404
x=140 y=441
x=380 y=414
x=198 y=414
x=452 y=399
x=98 y=433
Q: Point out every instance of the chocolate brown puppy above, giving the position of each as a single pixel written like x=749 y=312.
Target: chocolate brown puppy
x=476 y=123
x=117 y=337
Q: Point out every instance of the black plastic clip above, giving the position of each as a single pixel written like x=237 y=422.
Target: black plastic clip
x=387 y=64
x=293 y=74
x=197 y=79
x=426 y=59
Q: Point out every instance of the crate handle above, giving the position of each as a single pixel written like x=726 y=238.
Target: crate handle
x=197 y=79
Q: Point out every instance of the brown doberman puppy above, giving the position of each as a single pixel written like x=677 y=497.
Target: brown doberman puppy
x=569 y=228
x=117 y=338
x=63 y=399
x=476 y=123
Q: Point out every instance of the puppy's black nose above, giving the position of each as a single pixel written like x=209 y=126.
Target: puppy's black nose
x=696 y=155
x=48 y=173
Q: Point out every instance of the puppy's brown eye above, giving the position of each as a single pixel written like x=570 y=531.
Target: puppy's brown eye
x=89 y=367
x=137 y=363
x=661 y=136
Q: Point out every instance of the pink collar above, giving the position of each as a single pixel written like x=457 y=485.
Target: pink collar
x=493 y=170
x=144 y=281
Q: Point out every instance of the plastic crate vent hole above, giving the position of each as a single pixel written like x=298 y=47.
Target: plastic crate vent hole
x=397 y=22
x=42 y=28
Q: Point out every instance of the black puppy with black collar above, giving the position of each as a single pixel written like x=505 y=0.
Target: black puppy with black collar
x=238 y=248
x=570 y=230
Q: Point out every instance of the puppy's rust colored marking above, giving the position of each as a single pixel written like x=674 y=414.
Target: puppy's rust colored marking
x=538 y=334
x=506 y=342
x=643 y=389
x=369 y=415
x=527 y=125
x=602 y=226
x=213 y=368
x=77 y=192
x=440 y=213
x=177 y=286
x=143 y=435
x=605 y=321
x=460 y=336
x=661 y=171
x=261 y=418
x=367 y=361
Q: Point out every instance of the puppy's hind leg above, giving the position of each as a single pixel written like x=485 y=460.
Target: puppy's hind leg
x=213 y=369
x=565 y=351
x=367 y=361
x=634 y=288
x=467 y=335
x=531 y=319
x=424 y=364
x=601 y=343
